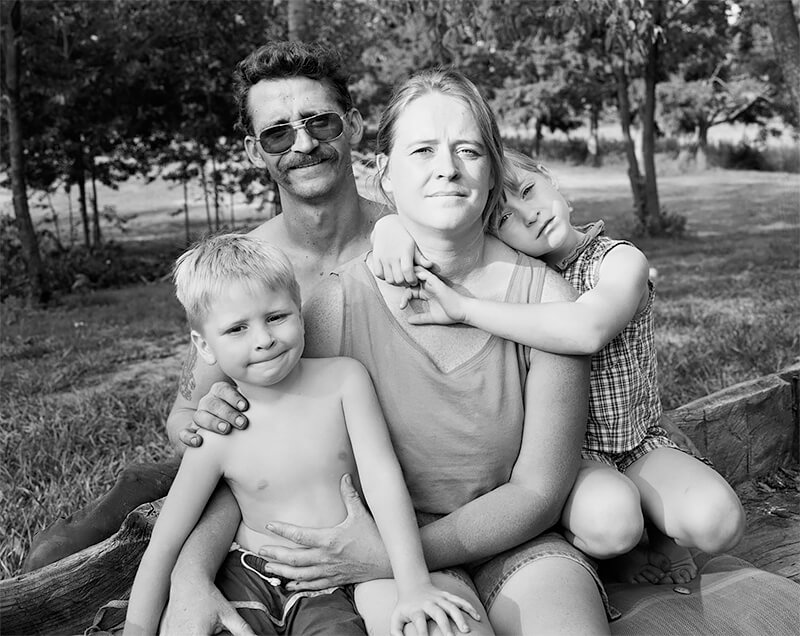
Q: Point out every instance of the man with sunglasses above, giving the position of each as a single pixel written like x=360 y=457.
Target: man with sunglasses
x=299 y=124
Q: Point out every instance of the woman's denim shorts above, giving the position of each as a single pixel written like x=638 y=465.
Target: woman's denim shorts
x=491 y=575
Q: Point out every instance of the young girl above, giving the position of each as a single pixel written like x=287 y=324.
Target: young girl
x=630 y=464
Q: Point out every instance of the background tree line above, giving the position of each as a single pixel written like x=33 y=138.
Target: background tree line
x=100 y=91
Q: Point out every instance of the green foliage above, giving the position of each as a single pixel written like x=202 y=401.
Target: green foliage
x=571 y=151
x=666 y=224
x=745 y=156
x=114 y=89
x=109 y=265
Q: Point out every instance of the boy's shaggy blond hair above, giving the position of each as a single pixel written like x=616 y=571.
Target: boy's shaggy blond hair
x=203 y=272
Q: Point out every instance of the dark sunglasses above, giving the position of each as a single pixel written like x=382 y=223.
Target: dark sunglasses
x=277 y=140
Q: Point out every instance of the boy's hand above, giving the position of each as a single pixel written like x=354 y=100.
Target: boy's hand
x=218 y=411
x=194 y=609
x=394 y=252
x=428 y=602
x=445 y=305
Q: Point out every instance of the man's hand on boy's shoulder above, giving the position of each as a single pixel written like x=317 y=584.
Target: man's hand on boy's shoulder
x=220 y=410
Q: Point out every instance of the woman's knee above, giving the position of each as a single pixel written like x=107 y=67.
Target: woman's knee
x=554 y=595
x=604 y=514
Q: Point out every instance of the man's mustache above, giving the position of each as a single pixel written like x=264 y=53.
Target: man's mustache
x=302 y=160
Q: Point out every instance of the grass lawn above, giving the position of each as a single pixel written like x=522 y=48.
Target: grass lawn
x=87 y=385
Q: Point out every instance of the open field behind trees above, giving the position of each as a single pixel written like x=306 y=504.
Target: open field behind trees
x=87 y=384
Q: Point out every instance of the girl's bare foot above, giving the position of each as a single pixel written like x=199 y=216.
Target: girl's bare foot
x=657 y=560
x=681 y=567
x=640 y=565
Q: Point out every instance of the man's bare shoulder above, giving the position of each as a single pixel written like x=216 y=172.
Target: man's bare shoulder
x=272 y=230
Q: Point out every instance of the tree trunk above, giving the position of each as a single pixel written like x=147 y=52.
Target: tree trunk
x=537 y=140
x=95 y=210
x=634 y=175
x=68 y=190
x=652 y=206
x=80 y=174
x=56 y=224
x=593 y=144
x=702 y=147
x=39 y=290
x=786 y=40
x=185 y=182
x=204 y=181
x=214 y=179
x=298 y=20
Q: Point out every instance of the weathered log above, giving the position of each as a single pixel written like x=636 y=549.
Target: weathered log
x=63 y=597
x=748 y=429
x=137 y=484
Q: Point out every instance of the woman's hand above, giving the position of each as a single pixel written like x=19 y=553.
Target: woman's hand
x=445 y=305
x=218 y=411
x=348 y=553
x=429 y=602
x=394 y=252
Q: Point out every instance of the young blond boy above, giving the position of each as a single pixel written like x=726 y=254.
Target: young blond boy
x=313 y=423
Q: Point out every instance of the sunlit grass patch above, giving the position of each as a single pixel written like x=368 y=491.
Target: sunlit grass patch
x=57 y=454
x=69 y=421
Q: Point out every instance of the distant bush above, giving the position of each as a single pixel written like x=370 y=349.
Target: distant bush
x=728 y=156
x=666 y=225
x=573 y=150
x=109 y=265
x=745 y=156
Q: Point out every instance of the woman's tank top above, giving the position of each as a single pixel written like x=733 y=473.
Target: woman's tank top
x=457 y=434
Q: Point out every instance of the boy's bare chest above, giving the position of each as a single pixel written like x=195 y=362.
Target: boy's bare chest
x=301 y=443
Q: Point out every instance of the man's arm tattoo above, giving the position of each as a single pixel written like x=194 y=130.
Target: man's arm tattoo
x=187 y=382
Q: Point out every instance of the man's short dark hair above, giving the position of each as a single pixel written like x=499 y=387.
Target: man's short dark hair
x=280 y=60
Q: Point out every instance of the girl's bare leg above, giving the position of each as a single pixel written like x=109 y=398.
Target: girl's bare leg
x=603 y=514
x=690 y=505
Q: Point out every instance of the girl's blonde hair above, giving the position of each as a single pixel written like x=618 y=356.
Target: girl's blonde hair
x=202 y=273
